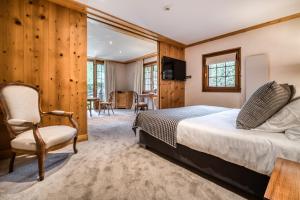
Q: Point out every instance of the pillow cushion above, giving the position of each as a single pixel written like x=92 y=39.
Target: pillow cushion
x=292 y=88
x=293 y=133
x=288 y=117
x=263 y=103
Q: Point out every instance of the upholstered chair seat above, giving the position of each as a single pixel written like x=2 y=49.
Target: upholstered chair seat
x=52 y=135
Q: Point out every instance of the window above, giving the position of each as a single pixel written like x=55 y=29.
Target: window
x=221 y=71
x=90 y=78
x=95 y=79
x=150 y=77
x=101 y=81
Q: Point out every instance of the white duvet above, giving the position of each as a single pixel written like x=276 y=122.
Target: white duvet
x=215 y=134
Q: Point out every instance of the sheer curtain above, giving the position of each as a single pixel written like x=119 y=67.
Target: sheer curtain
x=138 y=83
x=110 y=78
x=138 y=77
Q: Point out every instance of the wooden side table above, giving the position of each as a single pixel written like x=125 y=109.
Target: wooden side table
x=284 y=183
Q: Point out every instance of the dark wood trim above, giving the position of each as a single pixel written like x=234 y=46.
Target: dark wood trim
x=269 y=23
x=141 y=58
x=99 y=60
x=237 y=88
x=150 y=63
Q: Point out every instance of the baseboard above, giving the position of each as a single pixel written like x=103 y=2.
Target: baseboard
x=83 y=137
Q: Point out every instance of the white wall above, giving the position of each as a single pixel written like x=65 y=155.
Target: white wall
x=121 y=78
x=281 y=42
x=130 y=70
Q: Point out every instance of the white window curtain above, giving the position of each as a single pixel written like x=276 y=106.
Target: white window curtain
x=138 y=77
x=138 y=83
x=110 y=78
x=221 y=58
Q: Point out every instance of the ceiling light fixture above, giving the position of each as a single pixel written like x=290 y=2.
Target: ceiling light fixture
x=167 y=8
x=110 y=42
x=120 y=52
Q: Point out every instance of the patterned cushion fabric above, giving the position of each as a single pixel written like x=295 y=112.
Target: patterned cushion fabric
x=265 y=102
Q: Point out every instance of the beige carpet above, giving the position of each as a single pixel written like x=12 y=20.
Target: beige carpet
x=109 y=166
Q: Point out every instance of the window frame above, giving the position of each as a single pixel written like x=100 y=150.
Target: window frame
x=95 y=83
x=205 y=67
x=96 y=94
x=152 y=64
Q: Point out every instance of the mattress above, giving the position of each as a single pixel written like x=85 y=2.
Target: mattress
x=215 y=134
x=162 y=124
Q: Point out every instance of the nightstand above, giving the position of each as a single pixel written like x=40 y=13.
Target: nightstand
x=284 y=183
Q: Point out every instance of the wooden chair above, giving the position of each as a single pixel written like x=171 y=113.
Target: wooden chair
x=107 y=104
x=139 y=103
x=22 y=109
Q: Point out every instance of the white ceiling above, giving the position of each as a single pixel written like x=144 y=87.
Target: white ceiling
x=189 y=21
x=109 y=44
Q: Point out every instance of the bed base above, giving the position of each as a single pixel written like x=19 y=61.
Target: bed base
x=238 y=179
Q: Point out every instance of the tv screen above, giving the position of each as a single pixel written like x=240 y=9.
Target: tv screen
x=173 y=69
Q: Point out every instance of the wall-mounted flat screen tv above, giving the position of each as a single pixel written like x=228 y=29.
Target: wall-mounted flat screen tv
x=173 y=69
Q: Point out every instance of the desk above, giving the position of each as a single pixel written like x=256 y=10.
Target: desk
x=89 y=103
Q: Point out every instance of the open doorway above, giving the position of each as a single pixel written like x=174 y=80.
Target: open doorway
x=122 y=72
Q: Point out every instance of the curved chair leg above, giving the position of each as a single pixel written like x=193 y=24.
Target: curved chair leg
x=41 y=162
x=74 y=145
x=12 y=161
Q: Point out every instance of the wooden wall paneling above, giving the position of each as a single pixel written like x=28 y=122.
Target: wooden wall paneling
x=14 y=39
x=74 y=73
x=78 y=54
x=40 y=52
x=62 y=64
x=171 y=92
x=3 y=33
x=82 y=59
x=28 y=41
x=52 y=76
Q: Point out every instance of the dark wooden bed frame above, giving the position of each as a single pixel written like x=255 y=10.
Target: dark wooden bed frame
x=241 y=180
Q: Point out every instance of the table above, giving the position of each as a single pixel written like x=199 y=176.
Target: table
x=285 y=181
x=89 y=101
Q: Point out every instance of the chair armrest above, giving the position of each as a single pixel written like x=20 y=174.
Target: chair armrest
x=61 y=113
x=20 y=122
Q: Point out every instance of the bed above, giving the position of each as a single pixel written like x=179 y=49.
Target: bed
x=205 y=139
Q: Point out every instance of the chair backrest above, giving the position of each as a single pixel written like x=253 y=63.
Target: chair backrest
x=111 y=96
x=136 y=97
x=20 y=101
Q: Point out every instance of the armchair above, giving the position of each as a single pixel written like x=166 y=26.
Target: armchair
x=22 y=109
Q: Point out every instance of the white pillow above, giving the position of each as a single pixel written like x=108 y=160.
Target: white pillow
x=293 y=133
x=288 y=117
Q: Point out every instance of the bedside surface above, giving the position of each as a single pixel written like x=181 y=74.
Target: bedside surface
x=285 y=181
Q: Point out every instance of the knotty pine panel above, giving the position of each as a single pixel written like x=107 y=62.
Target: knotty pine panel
x=44 y=44
x=171 y=93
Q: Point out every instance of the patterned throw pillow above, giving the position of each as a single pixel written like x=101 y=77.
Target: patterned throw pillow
x=265 y=102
